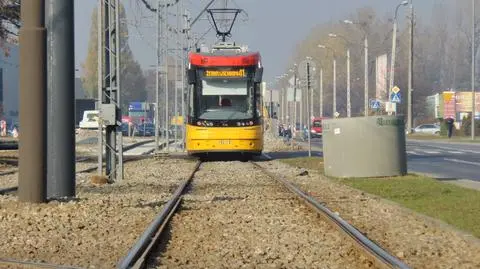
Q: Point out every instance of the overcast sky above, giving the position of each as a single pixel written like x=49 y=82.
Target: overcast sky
x=260 y=32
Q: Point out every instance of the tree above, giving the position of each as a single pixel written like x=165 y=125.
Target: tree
x=9 y=20
x=132 y=80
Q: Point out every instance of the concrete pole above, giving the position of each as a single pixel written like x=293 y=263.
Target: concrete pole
x=182 y=72
x=410 y=71
x=302 y=95
x=32 y=148
x=392 y=62
x=334 y=85
x=61 y=99
x=100 y=83
x=321 y=92
x=349 y=104
x=294 y=125
x=473 y=70
x=119 y=133
x=366 y=76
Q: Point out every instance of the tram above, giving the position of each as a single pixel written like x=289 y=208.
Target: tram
x=225 y=112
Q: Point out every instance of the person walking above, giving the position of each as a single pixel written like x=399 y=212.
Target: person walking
x=450 y=122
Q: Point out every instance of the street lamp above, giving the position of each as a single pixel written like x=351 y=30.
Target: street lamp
x=349 y=105
x=334 y=77
x=394 y=44
x=366 y=65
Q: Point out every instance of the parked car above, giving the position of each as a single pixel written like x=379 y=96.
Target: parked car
x=427 y=129
x=146 y=129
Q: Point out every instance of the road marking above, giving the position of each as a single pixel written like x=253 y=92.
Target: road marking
x=454 y=149
x=431 y=152
x=462 y=161
x=412 y=153
x=456 y=152
x=267 y=156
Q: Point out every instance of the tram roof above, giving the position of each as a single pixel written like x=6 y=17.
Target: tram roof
x=224 y=58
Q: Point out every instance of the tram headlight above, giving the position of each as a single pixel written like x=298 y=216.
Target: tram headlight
x=239 y=124
x=199 y=123
x=251 y=123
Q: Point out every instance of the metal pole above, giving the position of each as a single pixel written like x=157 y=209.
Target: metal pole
x=366 y=76
x=100 y=83
x=119 y=133
x=61 y=96
x=294 y=125
x=165 y=31
x=334 y=85
x=177 y=65
x=157 y=82
x=183 y=56
x=349 y=105
x=392 y=62
x=473 y=70
x=32 y=149
x=410 y=71
x=309 y=115
x=321 y=92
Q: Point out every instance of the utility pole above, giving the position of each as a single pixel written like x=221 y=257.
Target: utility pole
x=165 y=62
x=110 y=94
x=394 y=45
x=182 y=72
x=366 y=75
x=349 y=105
x=32 y=145
x=177 y=55
x=61 y=96
x=294 y=125
x=473 y=70
x=321 y=92
x=410 y=70
x=334 y=85
x=100 y=96
x=157 y=79
x=309 y=115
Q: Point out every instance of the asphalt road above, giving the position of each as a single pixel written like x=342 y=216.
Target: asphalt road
x=441 y=160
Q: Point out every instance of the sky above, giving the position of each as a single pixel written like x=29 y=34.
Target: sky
x=260 y=31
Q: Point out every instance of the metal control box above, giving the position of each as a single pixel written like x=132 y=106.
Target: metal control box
x=108 y=114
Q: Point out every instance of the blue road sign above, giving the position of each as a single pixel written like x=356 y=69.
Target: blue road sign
x=395 y=97
x=375 y=104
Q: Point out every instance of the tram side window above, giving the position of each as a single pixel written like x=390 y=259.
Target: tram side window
x=191 y=98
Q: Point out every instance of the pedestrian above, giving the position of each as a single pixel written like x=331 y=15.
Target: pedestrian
x=450 y=122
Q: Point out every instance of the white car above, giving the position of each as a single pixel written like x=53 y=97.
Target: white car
x=427 y=129
x=90 y=119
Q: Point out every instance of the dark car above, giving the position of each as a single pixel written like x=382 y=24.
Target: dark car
x=146 y=129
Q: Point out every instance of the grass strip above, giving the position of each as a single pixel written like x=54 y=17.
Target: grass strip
x=452 y=204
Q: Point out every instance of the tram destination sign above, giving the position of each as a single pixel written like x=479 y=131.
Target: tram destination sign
x=240 y=73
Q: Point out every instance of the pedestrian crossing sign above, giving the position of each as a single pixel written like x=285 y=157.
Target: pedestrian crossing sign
x=395 y=98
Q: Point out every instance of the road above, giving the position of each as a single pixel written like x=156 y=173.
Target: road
x=442 y=160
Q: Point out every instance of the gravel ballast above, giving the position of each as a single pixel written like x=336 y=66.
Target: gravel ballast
x=235 y=216
x=420 y=241
x=97 y=229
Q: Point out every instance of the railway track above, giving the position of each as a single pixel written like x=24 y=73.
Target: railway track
x=14 y=162
x=153 y=248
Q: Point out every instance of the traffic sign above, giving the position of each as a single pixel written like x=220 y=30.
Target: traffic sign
x=336 y=114
x=395 y=89
x=395 y=97
x=375 y=104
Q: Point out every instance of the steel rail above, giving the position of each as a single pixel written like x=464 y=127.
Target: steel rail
x=381 y=256
x=36 y=264
x=4 y=191
x=136 y=256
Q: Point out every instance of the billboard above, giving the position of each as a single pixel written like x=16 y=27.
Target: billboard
x=463 y=101
x=381 y=78
x=449 y=105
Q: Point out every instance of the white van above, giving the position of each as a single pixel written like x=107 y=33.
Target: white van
x=89 y=120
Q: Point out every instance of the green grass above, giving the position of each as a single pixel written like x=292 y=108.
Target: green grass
x=460 y=207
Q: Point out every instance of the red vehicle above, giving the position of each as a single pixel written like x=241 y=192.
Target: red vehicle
x=316 y=128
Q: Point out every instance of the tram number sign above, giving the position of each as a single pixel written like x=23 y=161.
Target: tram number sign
x=225 y=142
x=225 y=73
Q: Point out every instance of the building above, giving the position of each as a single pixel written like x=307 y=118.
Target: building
x=450 y=104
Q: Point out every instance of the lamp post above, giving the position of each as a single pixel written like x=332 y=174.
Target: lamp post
x=349 y=105
x=473 y=70
x=334 y=76
x=394 y=45
x=365 y=45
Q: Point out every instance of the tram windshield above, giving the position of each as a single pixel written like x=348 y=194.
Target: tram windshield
x=221 y=99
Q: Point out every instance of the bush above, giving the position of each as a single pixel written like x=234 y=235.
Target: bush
x=467 y=126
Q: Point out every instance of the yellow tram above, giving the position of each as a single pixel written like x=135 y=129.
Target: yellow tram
x=225 y=111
